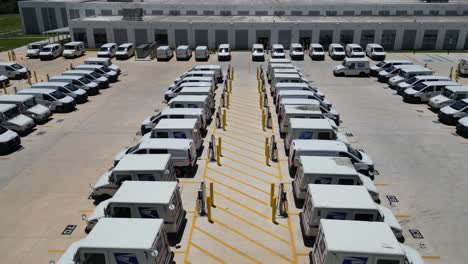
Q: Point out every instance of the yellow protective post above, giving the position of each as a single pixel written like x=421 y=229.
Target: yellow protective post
x=13 y=55
x=263 y=119
x=224 y=120
x=267 y=155
x=227 y=100
x=220 y=143
x=260 y=100
x=4 y=88
x=272 y=193
x=230 y=86
x=9 y=56
x=457 y=75
x=451 y=71
x=208 y=207
x=35 y=76
x=28 y=75
x=211 y=194
x=258 y=86
x=232 y=73
x=258 y=74
x=47 y=76
x=218 y=155
x=273 y=211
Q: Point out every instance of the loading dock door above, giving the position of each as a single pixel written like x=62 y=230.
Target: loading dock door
x=181 y=37
x=305 y=37
x=141 y=36
x=160 y=36
x=120 y=35
x=242 y=39
x=201 y=37
x=284 y=38
x=409 y=37
x=325 y=38
x=263 y=37
x=221 y=37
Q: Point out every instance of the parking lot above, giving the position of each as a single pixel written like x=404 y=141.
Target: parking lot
x=422 y=165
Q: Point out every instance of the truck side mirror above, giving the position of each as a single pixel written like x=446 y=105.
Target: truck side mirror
x=154 y=253
x=167 y=172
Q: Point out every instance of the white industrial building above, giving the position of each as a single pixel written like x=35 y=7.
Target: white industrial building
x=396 y=24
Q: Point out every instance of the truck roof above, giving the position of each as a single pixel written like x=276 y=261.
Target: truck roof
x=186 y=123
x=316 y=45
x=195 y=84
x=277 y=46
x=319 y=145
x=182 y=111
x=223 y=46
x=341 y=196
x=166 y=143
x=353 y=45
x=201 y=48
x=414 y=67
x=298 y=85
x=360 y=237
x=182 y=47
x=125 y=233
x=48 y=84
x=288 y=75
x=97 y=59
x=298 y=101
x=189 y=98
x=308 y=123
x=431 y=77
x=6 y=107
x=457 y=88
x=327 y=165
x=297 y=45
x=73 y=43
x=282 y=65
x=36 y=91
x=295 y=92
x=207 y=66
x=202 y=78
x=357 y=59
x=143 y=162
x=278 y=60
x=257 y=46
x=108 y=45
x=125 y=45
x=202 y=89
x=66 y=77
x=145 y=192
x=15 y=97
x=302 y=109
x=374 y=45
x=444 y=83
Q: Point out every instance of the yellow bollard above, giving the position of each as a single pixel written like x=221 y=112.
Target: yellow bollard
x=220 y=141
x=260 y=100
x=232 y=73
x=258 y=74
x=218 y=155
x=224 y=120
x=258 y=86
x=457 y=75
x=263 y=119
x=28 y=75
x=227 y=100
x=230 y=86
x=9 y=56
x=35 y=76
x=212 y=194
x=4 y=88
x=451 y=71
x=267 y=155
x=208 y=207
x=47 y=77
x=272 y=193
x=273 y=211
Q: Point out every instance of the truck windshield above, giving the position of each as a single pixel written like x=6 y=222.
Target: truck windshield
x=354 y=152
x=378 y=49
x=85 y=80
x=419 y=86
x=381 y=64
x=459 y=105
x=132 y=149
x=104 y=49
x=447 y=93
x=69 y=47
x=402 y=74
x=71 y=87
x=258 y=50
x=46 y=49
x=223 y=50
x=12 y=113
x=57 y=95
x=357 y=49
x=105 y=69
x=411 y=80
x=279 y=50
x=3 y=130
x=16 y=66
x=339 y=49
x=30 y=103
x=34 y=46
x=121 y=49
x=95 y=75
x=318 y=49
x=298 y=49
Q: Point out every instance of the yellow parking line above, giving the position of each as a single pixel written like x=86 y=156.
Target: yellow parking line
x=303 y=254
x=239 y=181
x=188 y=182
x=263 y=134
x=86 y=211
x=207 y=253
x=242 y=118
x=431 y=257
x=234 y=114
x=252 y=167
x=56 y=250
x=247 y=174
x=402 y=216
x=179 y=252
x=236 y=190
x=252 y=224
x=246 y=156
x=245 y=114
x=252 y=240
x=244 y=149
x=227 y=245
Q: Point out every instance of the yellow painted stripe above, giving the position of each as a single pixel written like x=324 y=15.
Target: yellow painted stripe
x=246 y=123
x=179 y=251
x=86 y=211
x=207 y=253
x=227 y=245
x=247 y=174
x=380 y=184
x=303 y=254
x=56 y=250
x=233 y=114
x=188 y=182
x=240 y=181
x=402 y=216
x=238 y=191
x=252 y=167
x=246 y=149
x=431 y=257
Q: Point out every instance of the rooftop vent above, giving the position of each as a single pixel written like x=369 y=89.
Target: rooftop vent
x=132 y=14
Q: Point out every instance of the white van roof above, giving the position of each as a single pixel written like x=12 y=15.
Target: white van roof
x=374 y=237
x=298 y=85
x=432 y=77
x=36 y=91
x=108 y=45
x=336 y=45
x=163 y=48
x=296 y=45
x=357 y=59
x=186 y=123
x=282 y=65
x=277 y=46
x=66 y=77
x=74 y=43
x=89 y=66
x=182 y=111
x=15 y=97
x=196 y=84
x=78 y=71
x=327 y=165
x=96 y=59
x=278 y=60
x=415 y=67
x=182 y=47
x=295 y=92
x=298 y=101
x=6 y=107
x=302 y=109
x=280 y=70
x=195 y=89
x=124 y=233
x=224 y=46
x=341 y=196
x=307 y=123
x=354 y=45
x=457 y=88
x=374 y=45
x=207 y=66
x=316 y=45
x=319 y=145
x=288 y=75
x=444 y=83
x=257 y=46
x=201 y=48
x=51 y=45
x=48 y=84
x=198 y=78
x=143 y=162
x=140 y=192
x=398 y=61
x=125 y=45
x=189 y=98
x=166 y=143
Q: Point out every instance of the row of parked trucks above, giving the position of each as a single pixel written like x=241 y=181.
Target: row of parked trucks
x=138 y=200
x=333 y=182
x=21 y=112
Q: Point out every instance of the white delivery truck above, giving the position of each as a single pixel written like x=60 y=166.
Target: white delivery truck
x=329 y=170
x=11 y=118
x=375 y=52
x=50 y=52
x=192 y=101
x=276 y=66
x=257 y=52
x=78 y=94
x=298 y=94
x=336 y=51
x=135 y=199
x=125 y=51
x=452 y=113
x=354 y=50
x=383 y=65
x=277 y=51
x=78 y=81
x=197 y=73
x=407 y=73
x=211 y=67
x=316 y=52
x=175 y=87
x=9 y=140
x=386 y=74
x=361 y=161
x=327 y=111
x=343 y=202
x=103 y=61
x=55 y=100
x=177 y=128
x=133 y=167
x=34 y=49
x=449 y=95
x=462 y=127
x=311 y=129
x=122 y=240
x=224 y=52
x=294 y=86
x=202 y=53
x=463 y=66
x=164 y=53
x=91 y=75
x=183 y=52
x=107 y=50
x=28 y=106
x=103 y=70
x=360 y=242
x=353 y=67
x=172 y=113
x=202 y=90
x=419 y=79
x=13 y=70
x=74 y=49
x=297 y=111
x=423 y=92
x=183 y=153
x=296 y=51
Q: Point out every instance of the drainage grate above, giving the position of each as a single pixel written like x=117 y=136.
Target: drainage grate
x=60 y=120
x=392 y=199
x=416 y=233
x=349 y=134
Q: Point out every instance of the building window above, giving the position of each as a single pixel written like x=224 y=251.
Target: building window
x=261 y=13
x=388 y=39
x=208 y=12
x=451 y=39
x=89 y=12
x=191 y=12
x=174 y=12
x=74 y=13
x=429 y=39
x=384 y=13
x=157 y=12
x=79 y=34
x=366 y=13
x=106 y=12
x=348 y=13
x=401 y=13
x=278 y=13
x=434 y=12
x=330 y=13
x=100 y=37
x=418 y=12
x=225 y=12
x=314 y=13
x=243 y=13
x=451 y=13
x=296 y=13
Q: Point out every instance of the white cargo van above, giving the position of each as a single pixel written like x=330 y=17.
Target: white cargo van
x=133 y=167
x=383 y=65
x=418 y=79
x=107 y=50
x=328 y=170
x=301 y=128
x=50 y=52
x=135 y=199
x=327 y=111
x=9 y=141
x=336 y=51
x=173 y=113
x=197 y=73
x=462 y=127
x=329 y=148
x=316 y=52
x=224 y=52
x=34 y=49
x=257 y=52
x=105 y=71
x=288 y=78
x=55 y=100
x=192 y=101
x=298 y=94
x=277 y=51
x=183 y=153
x=354 y=50
x=74 y=49
x=78 y=94
x=353 y=67
x=175 y=92
x=28 y=106
x=11 y=118
x=202 y=90
x=125 y=51
x=294 y=86
x=202 y=53
x=386 y=74
x=78 y=81
x=278 y=60
x=177 y=128
x=463 y=66
x=211 y=67
x=375 y=52
x=175 y=88
x=449 y=95
x=297 y=111
x=336 y=243
x=122 y=240
x=408 y=72
x=422 y=92
x=183 y=52
x=296 y=51
x=164 y=53
x=452 y=113
x=342 y=202
x=13 y=70
x=91 y=75
x=103 y=61
x=277 y=66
